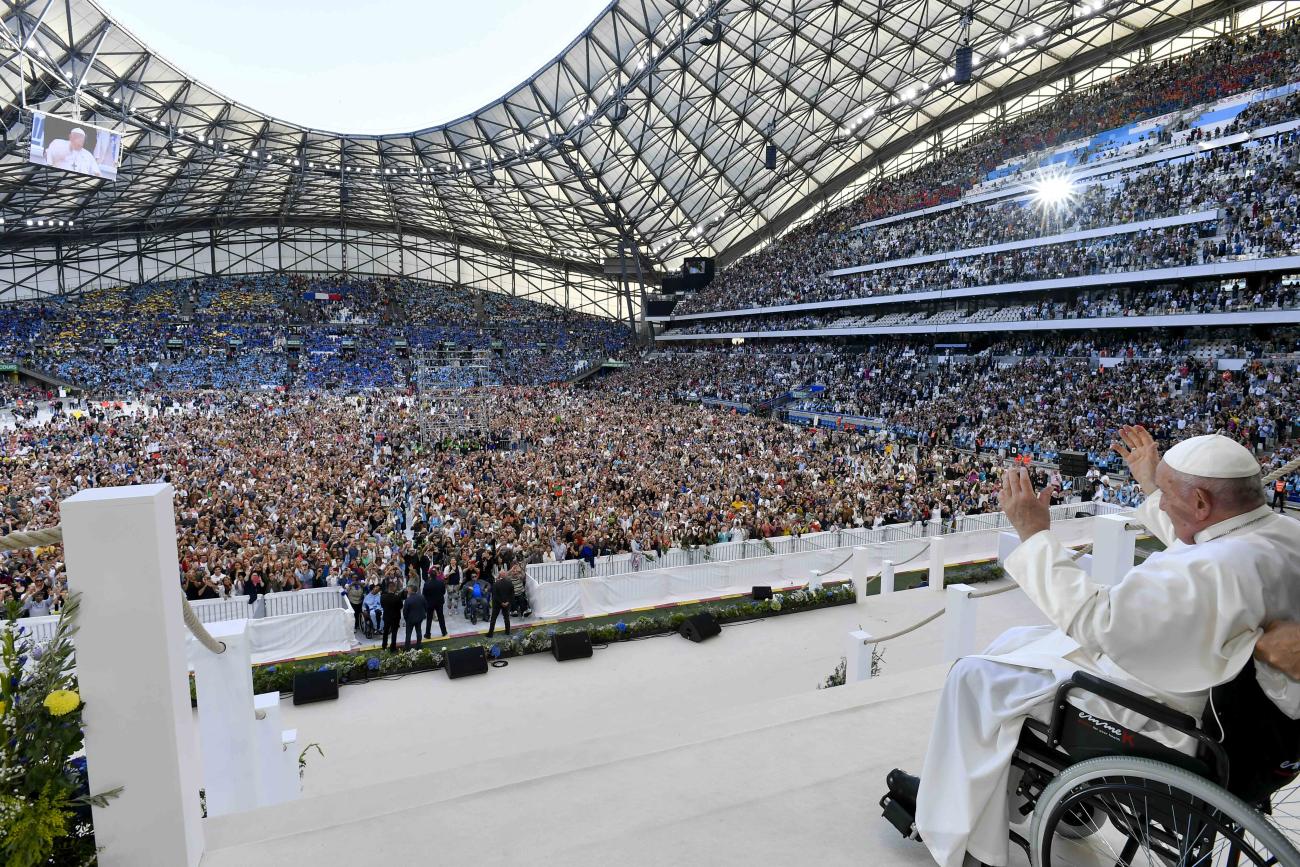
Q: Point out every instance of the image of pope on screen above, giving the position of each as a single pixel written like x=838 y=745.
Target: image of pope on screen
x=74 y=146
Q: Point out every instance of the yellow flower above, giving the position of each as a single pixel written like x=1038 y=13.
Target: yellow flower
x=62 y=702
x=2 y=708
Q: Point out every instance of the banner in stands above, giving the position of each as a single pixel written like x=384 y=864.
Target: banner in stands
x=73 y=146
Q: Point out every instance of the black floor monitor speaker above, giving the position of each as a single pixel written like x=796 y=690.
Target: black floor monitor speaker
x=762 y=592
x=699 y=627
x=571 y=645
x=466 y=661
x=313 y=686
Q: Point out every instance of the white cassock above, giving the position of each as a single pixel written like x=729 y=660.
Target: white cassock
x=1177 y=625
x=82 y=161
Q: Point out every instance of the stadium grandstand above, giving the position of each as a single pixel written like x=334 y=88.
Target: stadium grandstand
x=788 y=328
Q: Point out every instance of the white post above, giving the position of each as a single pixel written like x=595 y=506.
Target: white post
x=858 y=571
x=938 y=544
x=858 y=658
x=1113 y=548
x=1007 y=543
x=223 y=684
x=277 y=780
x=120 y=550
x=959 y=624
x=887 y=576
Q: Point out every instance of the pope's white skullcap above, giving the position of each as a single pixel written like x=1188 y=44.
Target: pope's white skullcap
x=1212 y=457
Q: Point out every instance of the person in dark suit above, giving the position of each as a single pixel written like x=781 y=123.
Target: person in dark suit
x=391 y=603
x=503 y=593
x=435 y=594
x=414 y=610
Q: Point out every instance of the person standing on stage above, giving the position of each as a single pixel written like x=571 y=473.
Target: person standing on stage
x=391 y=602
x=435 y=595
x=414 y=610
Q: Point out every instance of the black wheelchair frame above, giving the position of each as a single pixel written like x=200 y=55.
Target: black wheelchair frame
x=1073 y=735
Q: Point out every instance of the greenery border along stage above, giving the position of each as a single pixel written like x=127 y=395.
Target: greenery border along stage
x=978 y=572
x=360 y=666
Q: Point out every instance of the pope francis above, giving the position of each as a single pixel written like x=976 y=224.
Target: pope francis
x=1185 y=620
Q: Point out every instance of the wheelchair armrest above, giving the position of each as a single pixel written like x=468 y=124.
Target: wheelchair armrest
x=1149 y=708
x=1153 y=710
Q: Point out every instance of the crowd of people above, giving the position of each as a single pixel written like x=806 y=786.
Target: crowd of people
x=793 y=269
x=286 y=411
x=1208 y=297
x=1016 y=396
x=284 y=490
x=236 y=332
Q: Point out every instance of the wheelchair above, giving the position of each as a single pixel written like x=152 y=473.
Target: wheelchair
x=1098 y=794
x=368 y=628
x=475 y=608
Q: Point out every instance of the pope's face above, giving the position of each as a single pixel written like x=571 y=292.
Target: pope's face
x=77 y=141
x=1187 y=510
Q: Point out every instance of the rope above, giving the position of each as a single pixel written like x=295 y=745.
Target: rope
x=978 y=594
x=198 y=630
x=21 y=539
x=1284 y=470
x=915 y=626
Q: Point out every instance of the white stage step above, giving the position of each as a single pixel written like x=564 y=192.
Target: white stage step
x=791 y=779
x=723 y=752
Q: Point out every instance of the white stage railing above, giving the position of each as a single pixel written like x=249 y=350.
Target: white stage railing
x=277 y=604
x=293 y=635
x=597 y=595
x=722 y=552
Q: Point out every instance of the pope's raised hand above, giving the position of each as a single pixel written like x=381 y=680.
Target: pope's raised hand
x=1140 y=453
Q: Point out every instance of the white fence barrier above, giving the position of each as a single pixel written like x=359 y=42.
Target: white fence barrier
x=597 y=595
x=277 y=604
x=726 y=552
x=293 y=635
x=298 y=623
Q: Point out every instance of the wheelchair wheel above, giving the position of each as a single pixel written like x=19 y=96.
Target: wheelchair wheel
x=1285 y=812
x=1157 y=814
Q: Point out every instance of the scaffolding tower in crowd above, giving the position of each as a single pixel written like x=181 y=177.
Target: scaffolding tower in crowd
x=450 y=388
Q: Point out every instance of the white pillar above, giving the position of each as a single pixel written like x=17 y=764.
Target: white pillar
x=1007 y=542
x=887 y=576
x=223 y=683
x=120 y=554
x=858 y=571
x=938 y=548
x=858 y=657
x=959 y=623
x=277 y=778
x=1113 y=548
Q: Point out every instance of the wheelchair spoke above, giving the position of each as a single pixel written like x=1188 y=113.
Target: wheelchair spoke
x=1169 y=827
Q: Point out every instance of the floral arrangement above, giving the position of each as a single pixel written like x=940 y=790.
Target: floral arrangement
x=45 y=797
x=838 y=677
x=368 y=665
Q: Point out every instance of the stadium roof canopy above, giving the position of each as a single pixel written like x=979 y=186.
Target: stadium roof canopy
x=650 y=126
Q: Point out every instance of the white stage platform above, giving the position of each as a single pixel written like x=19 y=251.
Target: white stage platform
x=653 y=751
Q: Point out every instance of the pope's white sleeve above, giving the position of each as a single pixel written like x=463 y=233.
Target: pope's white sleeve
x=1150 y=516
x=1181 y=627
x=1282 y=690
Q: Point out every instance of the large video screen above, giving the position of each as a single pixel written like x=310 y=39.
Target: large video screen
x=74 y=146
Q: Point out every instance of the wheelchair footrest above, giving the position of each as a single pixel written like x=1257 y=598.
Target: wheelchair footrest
x=899 y=816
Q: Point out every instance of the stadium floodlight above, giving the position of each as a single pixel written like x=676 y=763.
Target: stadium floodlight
x=1053 y=191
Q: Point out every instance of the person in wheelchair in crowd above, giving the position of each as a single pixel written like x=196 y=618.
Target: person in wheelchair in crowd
x=476 y=598
x=1179 y=624
x=372 y=606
